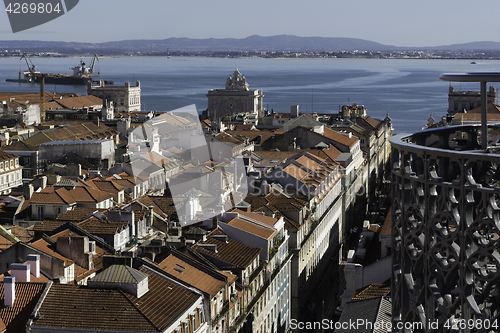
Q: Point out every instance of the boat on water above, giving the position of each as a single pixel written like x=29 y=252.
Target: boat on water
x=82 y=74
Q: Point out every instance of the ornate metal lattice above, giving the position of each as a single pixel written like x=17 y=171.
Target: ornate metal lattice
x=446 y=231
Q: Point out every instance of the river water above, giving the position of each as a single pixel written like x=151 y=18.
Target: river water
x=409 y=90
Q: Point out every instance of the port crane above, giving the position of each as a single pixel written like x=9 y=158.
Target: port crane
x=92 y=63
x=29 y=75
x=31 y=67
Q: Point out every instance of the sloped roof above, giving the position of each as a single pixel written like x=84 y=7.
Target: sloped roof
x=109 y=186
x=372 y=291
x=43 y=245
x=74 y=132
x=373 y=311
x=340 y=138
x=253 y=228
x=95 y=226
x=179 y=268
x=51 y=196
x=14 y=318
x=86 y=194
x=232 y=252
x=163 y=206
x=267 y=220
x=120 y=274
x=304 y=121
x=23 y=234
x=79 y=102
x=6 y=156
x=84 y=308
x=19 y=146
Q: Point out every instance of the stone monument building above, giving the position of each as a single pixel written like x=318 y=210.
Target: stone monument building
x=458 y=101
x=125 y=99
x=235 y=98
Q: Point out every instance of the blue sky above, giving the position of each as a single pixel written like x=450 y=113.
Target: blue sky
x=392 y=22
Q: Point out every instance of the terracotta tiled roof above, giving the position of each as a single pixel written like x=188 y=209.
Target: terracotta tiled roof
x=267 y=220
x=191 y=275
x=98 y=227
x=51 y=196
x=372 y=291
x=23 y=234
x=86 y=194
x=369 y=122
x=228 y=138
x=329 y=154
x=105 y=185
x=79 y=102
x=340 y=138
x=19 y=146
x=4 y=243
x=81 y=131
x=163 y=206
x=27 y=296
x=164 y=302
x=232 y=252
x=83 y=308
x=80 y=213
x=46 y=247
x=253 y=228
x=6 y=156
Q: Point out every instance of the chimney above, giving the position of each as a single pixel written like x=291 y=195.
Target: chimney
x=20 y=271
x=28 y=191
x=34 y=261
x=294 y=111
x=9 y=290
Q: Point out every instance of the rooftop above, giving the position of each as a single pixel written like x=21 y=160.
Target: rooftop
x=197 y=278
x=232 y=252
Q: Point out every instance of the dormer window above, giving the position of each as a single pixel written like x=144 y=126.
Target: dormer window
x=92 y=247
x=11 y=164
x=1 y=166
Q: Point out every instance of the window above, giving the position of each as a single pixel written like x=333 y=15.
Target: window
x=193 y=322
x=11 y=163
x=27 y=160
x=39 y=211
x=201 y=316
x=1 y=166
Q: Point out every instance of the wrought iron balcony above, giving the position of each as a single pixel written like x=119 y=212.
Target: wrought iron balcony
x=446 y=225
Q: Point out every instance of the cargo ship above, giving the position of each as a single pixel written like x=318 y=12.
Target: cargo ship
x=82 y=74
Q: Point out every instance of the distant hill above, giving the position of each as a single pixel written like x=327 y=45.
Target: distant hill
x=252 y=43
